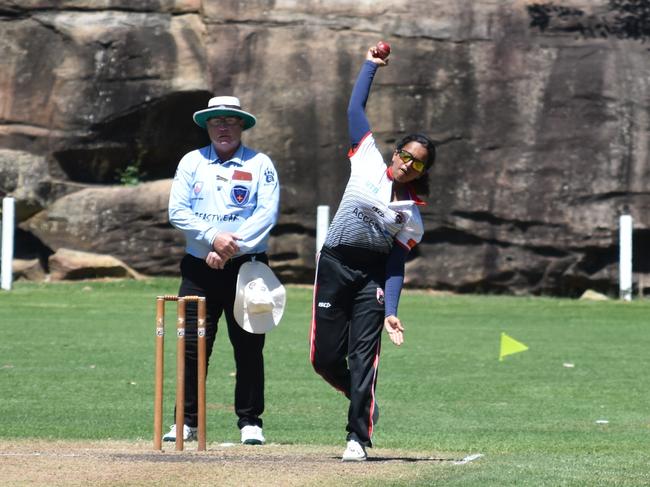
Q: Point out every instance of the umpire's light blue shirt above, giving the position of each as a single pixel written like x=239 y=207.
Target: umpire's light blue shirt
x=210 y=196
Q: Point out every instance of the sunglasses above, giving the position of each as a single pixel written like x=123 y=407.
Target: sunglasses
x=225 y=121
x=407 y=157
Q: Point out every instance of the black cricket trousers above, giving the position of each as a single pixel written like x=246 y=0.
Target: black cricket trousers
x=218 y=287
x=348 y=317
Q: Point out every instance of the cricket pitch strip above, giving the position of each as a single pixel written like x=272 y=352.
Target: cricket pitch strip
x=134 y=463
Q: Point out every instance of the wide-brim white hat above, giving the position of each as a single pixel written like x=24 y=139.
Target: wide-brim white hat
x=259 y=298
x=224 y=106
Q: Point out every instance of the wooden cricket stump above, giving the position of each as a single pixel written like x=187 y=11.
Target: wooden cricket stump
x=180 y=369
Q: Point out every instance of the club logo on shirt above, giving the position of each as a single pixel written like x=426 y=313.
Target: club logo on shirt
x=269 y=176
x=239 y=195
x=380 y=296
x=198 y=186
x=399 y=218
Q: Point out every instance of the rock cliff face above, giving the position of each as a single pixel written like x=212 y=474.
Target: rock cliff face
x=543 y=127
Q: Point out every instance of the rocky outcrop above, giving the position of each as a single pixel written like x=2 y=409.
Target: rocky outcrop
x=542 y=126
x=129 y=222
x=28 y=270
x=66 y=264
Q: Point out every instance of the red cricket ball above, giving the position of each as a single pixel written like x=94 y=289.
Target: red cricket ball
x=382 y=49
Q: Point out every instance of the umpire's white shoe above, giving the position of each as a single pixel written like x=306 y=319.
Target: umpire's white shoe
x=189 y=433
x=252 y=435
x=355 y=452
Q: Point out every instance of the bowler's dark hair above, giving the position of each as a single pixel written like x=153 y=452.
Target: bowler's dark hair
x=421 y=184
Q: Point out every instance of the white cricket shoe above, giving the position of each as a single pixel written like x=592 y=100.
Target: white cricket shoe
x=355 y=452
x=189 y=433
x=252 y=435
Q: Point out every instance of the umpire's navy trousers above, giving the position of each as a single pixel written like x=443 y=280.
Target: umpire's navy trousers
x=218 y=287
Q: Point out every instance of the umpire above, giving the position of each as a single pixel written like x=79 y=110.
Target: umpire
x=224 y=199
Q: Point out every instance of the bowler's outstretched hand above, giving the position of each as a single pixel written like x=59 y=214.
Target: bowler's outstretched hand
x=395 y=330
x=373 y=56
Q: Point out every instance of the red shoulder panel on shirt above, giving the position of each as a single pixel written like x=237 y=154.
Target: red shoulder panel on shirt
x=353 y=150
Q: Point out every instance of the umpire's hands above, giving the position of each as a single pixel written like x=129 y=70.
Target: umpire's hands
x=225 y=244
x=215 y=261
x=395 y=330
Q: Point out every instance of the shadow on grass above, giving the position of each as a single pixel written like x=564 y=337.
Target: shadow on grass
x=410 y=459
x=211 y=456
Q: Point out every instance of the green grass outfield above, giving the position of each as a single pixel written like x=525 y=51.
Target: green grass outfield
x=76 y=362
